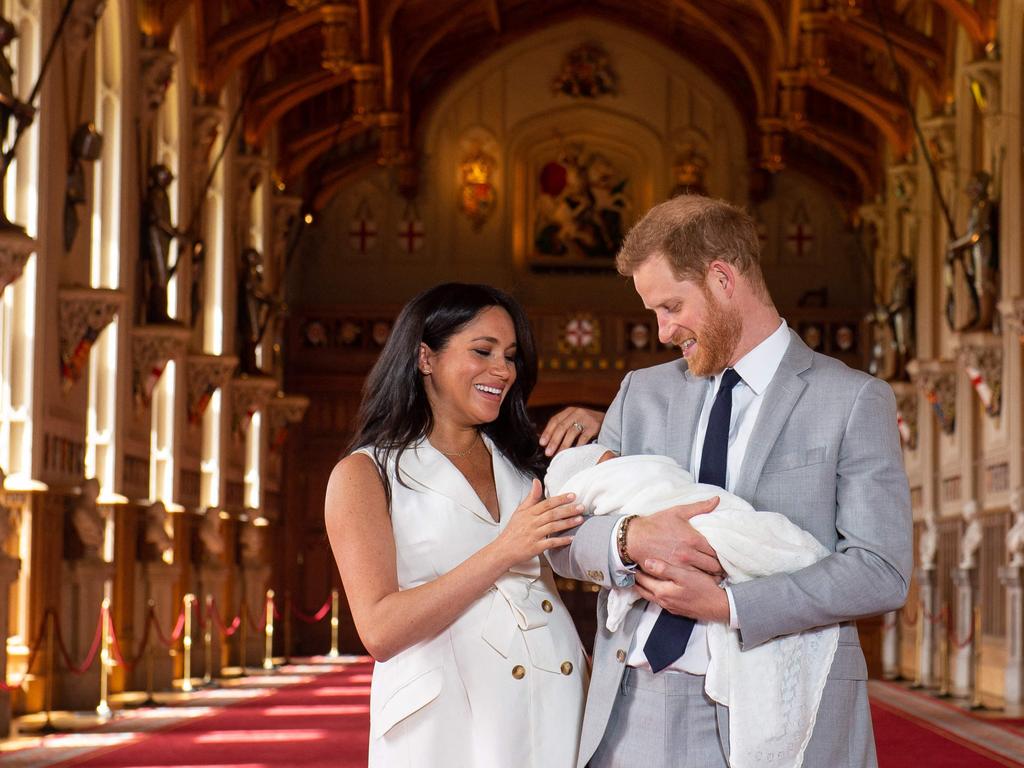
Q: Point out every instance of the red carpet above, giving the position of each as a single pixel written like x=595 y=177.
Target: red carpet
x=902 y=741
x=323 y=723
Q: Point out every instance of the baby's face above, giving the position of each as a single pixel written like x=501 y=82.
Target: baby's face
x=607 y=455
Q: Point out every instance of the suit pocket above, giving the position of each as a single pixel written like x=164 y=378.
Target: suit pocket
x=794 y=460
x=849 y=663
x=407 y=699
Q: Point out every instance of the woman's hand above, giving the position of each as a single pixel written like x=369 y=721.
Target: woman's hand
x=530 y=530
x=569 y=427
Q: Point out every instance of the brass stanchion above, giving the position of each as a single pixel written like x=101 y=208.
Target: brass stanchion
x=208 y=644
x=919 y=677
x=149 y=701
x=51 y=630
x=287 y=627
x=943 y=692
x=103 y=708
x=186 y=641
x=334 y=624
x=242 y=632
x=268 y=632
x=976 y=702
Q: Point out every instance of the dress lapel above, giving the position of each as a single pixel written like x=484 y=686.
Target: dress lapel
x=428 y=467
x=779 y=400
x=510 y=486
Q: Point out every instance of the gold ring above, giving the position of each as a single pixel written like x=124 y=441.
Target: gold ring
x=577 y=426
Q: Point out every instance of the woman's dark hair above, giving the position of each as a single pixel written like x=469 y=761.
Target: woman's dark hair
x=395 y=413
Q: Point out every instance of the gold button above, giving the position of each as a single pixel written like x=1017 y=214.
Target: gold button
x=518 y=671
x=546 y=605
x=566 y=667
x=620 y=655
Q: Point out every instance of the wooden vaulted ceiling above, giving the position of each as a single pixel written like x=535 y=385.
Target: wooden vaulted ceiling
x=814 y=79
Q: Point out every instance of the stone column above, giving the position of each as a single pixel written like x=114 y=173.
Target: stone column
x=1013 y=680
x=10 y=567
x=926 y=650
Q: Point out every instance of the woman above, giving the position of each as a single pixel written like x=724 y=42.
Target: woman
x=437 y=523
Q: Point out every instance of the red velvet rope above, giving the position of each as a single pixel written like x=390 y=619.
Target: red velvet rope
x=175 y=635
x=115 y=644
x=224 y=630
x=967 y=641
x=90 y=656
x=316 y=617
x=33 y=651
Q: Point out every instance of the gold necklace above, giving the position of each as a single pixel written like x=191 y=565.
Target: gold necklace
x=461 y=454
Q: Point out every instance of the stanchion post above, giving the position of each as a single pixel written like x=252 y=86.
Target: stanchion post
x=976 y=702
x=268 y=632
x=51 y=630
x=243 y=615
x=921 y=618
x=149 y=701
x=943 y=692
x=334 y=624
x=103 y=708
x=186 y=641
x=287 y=627
x=208 y=643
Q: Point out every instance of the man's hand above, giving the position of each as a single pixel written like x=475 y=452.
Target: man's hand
x=668 y=536
x=683 y=590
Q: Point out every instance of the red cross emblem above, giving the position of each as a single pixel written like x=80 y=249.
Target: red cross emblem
x=363 y=234
x=411 y=235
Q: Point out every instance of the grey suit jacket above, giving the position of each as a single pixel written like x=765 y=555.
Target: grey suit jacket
x=825 y=452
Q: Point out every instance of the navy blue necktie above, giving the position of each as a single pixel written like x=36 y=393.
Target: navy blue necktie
x=670 y=634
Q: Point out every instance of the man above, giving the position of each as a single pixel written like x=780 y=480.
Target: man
x=752 y=408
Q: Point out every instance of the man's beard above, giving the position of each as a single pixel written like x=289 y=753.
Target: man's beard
x=717 y=340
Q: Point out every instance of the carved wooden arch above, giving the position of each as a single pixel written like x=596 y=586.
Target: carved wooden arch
x=876 y=108
x=335 y=178
x=317 y=142
x=268 y=108
x=853 y=162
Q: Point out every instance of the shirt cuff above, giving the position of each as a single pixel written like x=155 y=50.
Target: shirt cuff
x=621 y=575
x=734 y=620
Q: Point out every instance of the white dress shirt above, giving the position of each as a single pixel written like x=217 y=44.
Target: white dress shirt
x=756 y=369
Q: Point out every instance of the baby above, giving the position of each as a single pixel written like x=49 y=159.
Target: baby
x=772 y=691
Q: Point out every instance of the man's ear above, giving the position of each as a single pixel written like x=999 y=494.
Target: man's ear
x=722 y=276
x=424 y=359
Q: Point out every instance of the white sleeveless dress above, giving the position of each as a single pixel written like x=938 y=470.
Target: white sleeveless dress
x=505 y=684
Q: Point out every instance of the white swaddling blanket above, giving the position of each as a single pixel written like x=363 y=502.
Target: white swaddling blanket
x=772 y=691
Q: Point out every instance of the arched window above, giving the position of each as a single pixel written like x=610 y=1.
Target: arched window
x=105 y=252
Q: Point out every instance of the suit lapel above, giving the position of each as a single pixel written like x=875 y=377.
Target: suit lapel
x=429 y=468
x=683 y=414
x=779 y=400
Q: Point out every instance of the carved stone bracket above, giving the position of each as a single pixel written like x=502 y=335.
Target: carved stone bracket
x=82 y=24
x=285 y=209
x=1012 y=311
x=207 y=123
x=903 y=178
x=366 y=90
x=985 y=78
x=286 y=409
x=83 y=314
x=15 y=248
x=906 y=412
x=251 y=170
x=152 y=347
x=205 y=375
x=937 y=380
x=248 y=395
x=157 y=71
x=940 y=133
x=981 y=354
x=340 y=24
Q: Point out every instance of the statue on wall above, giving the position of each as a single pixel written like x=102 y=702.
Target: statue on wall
x=155 y=532
x=86 y=145
x=970 y=541
x=900 y=312
x=87 y=520
x=157 y=234
x=972 y=262
x=1015 y=535
x=209 y=534
x=256 y=309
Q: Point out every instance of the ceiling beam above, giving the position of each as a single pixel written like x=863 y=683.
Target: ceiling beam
x=317 y=142
x=493 y=14
x=280 y=100
x=335 y=178
x=881 y=110
x=967 y=17
x=234 y=44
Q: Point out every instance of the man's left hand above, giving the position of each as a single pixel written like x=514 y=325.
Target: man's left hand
x=683 y=590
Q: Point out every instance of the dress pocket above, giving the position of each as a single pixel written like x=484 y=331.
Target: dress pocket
x=407 y=699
